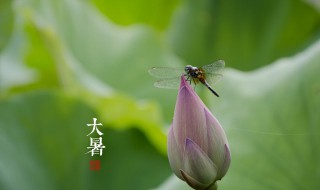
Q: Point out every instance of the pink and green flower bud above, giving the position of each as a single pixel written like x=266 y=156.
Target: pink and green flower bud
x=198 y=149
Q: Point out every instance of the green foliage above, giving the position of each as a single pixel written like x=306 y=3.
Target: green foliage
x=246 y=35
x=275 y=136
x=43 y=143
x=6 y=22
x=63 y=63
x=156 y=13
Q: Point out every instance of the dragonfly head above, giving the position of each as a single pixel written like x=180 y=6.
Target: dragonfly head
x=188 y=68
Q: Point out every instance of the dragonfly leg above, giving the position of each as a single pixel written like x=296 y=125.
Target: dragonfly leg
x=188 y=79
x=195 y=84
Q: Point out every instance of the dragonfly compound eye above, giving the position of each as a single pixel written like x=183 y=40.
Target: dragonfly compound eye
x=188 y=68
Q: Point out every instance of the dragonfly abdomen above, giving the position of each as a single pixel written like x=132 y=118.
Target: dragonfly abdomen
x=209 y=87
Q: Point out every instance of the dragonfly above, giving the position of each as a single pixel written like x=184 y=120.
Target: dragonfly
x=208 y=75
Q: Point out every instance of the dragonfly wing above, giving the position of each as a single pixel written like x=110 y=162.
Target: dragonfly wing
x=166 y=72
x=214 y=68
x=212 y=79
x=170 y=83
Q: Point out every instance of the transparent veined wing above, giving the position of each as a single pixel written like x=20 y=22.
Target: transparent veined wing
x=212 y=79
x=170 y=83
x=214 y=68
x=166 y=72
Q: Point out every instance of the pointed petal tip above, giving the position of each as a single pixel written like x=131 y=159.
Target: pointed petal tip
x=182 y=81
x=198 y=164
x=185 y=83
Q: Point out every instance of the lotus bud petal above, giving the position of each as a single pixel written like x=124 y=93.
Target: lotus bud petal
x=198 y=149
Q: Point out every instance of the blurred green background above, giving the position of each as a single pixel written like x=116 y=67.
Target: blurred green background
x=64 y=62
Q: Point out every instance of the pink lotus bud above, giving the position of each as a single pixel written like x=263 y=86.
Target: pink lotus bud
x=198 y=149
